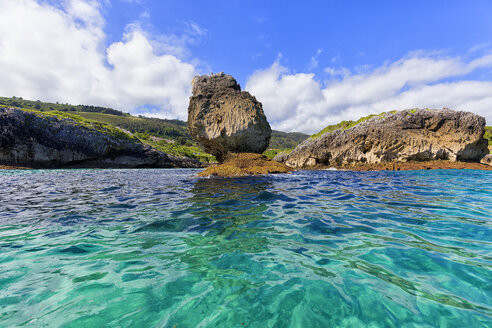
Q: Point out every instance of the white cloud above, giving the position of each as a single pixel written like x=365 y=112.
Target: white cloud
x=300 y=102
x=314 y=60
x=58 y=54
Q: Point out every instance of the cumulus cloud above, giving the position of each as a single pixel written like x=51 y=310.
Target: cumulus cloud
x=59 y=54
x=301 y=102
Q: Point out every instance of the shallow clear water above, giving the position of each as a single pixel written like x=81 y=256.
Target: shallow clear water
x=160 y=248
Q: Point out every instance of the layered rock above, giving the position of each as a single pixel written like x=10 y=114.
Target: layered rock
x=409 y=135
x=223 y=119
x=49 y=141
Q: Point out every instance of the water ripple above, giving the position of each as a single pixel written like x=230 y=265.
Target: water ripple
x=309 y=249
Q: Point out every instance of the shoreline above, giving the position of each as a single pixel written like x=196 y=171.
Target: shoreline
x=12 y=167
x=407 y=166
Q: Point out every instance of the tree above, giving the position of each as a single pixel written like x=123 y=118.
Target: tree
x=181 y=141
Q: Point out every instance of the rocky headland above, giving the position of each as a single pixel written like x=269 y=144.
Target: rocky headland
x=57 y=140
x=231 y=125
x=396 y=139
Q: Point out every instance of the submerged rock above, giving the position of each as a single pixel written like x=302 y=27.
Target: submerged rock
x=245 y=164
x=408 y=135
x=47 y=140
x=223 y=119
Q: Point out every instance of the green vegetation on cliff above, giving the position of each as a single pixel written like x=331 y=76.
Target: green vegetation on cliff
x=190 y=150
x=91 y=124
x=488 y=134
x=344 y=125
x=283 y=142
x=271 y=153
x=170 y=129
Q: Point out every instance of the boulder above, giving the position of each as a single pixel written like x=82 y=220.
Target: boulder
x=223 y=119
x=47 y=140
x=403 y=136
x=487 y=159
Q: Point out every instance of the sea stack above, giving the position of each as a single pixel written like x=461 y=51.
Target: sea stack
x=230 y=124
x=222 y=119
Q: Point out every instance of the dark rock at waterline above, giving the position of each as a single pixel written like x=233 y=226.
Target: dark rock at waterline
x=222 y=119
x=408 y=135
x=48 y=141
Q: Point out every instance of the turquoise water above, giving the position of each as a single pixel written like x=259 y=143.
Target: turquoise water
x=160 y=248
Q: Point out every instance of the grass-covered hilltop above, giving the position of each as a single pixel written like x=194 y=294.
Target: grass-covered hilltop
x=168 y=136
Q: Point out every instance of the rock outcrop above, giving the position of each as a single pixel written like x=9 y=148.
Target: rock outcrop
x=223 y=119
x=45 y=140
x=487 y=159
x=245 y=164
x=404 y=136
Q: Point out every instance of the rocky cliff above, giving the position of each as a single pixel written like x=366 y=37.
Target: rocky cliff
x=49 y=140
x=408 y=135
x=223 y=119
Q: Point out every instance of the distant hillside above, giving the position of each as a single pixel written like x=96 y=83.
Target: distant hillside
x=45 y=106
x=283 y=140
x=170 y=129
x=488 y=136
x=170 y=136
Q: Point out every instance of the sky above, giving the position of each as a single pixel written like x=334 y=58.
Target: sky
x=310 y=63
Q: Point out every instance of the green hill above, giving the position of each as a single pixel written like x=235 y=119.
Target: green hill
x=283 y=140
x=45 y=106
x=169 y=136
x=171 y=129
x=488 y=136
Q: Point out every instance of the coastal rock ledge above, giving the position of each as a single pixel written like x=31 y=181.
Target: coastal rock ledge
x=403 y=136
x=245 y=164
x=222 y=119
x=47 y=140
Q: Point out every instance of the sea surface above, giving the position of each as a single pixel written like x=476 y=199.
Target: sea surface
x=161 y=248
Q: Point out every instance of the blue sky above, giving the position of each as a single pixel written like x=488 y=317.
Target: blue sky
x=244 y=36
x=311 y=63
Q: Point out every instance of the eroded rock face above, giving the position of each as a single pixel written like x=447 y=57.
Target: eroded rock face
x=223 y=119
x=409 y=135
x=39 y=140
